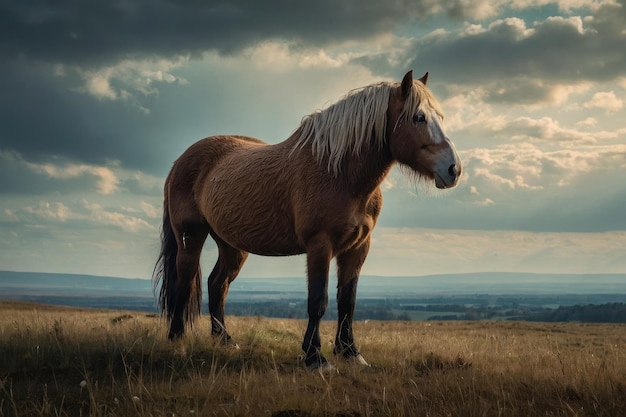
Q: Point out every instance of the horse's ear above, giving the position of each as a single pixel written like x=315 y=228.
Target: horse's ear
x=424 y=79
x=407 y=85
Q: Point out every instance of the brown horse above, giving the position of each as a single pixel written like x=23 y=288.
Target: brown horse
x=318 y=193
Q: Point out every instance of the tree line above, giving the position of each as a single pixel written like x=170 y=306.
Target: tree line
x=387 y=310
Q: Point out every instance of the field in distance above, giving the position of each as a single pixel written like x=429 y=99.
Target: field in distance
x=68 y=362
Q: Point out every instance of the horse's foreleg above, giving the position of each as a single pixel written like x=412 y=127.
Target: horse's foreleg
x=225 y=271
x=318 y=262
x=348 y=268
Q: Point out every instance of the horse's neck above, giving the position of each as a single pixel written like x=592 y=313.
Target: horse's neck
x=360 y=174
x=364 y=173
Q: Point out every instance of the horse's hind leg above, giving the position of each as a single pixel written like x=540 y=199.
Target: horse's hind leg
x=348 y=268
x=226 y=269
x=188 y=290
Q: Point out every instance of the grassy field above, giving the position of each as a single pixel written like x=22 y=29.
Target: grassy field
x=69 y=362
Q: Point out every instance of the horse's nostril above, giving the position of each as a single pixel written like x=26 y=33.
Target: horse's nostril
x=453 y=171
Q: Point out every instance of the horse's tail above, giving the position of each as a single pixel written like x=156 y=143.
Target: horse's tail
x=179 y=301
x=165 y=268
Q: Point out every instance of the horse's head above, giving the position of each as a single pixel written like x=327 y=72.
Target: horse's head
x=415 y=134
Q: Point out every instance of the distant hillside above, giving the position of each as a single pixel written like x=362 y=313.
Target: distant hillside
x=500 y=283
x=493 y=296
x=369 y=286
x=33 y=283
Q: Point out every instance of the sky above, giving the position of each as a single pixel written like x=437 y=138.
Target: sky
x=98 y=98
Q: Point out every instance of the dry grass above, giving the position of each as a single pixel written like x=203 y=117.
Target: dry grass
x=71 y=362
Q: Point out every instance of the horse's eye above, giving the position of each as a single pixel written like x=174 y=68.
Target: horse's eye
x=419 y=118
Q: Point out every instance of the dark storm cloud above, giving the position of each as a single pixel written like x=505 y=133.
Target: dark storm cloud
x=557 y=49
x=41 y=117
x=100 y=31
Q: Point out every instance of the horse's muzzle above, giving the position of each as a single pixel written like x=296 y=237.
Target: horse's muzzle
x=448 y=179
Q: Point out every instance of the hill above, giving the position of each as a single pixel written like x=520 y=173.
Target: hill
x=493 y=283
x=489 y=295
x=118 y=363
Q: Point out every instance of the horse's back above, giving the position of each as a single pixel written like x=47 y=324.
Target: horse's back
x=193 y=166
x=202 y=156
x=210 y=150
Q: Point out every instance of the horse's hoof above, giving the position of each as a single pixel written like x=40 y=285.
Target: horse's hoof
x=317 y=362
x=357 y=359
x=321 y=367
x=229 y=344
x=225 y=340
x=352 y=355
x=360 y=360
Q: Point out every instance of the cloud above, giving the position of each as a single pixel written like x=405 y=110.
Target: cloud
x=107 y=182
x=150 y=210
x=278 y=56
x=140 y=183
x=82 y=214
x=545 y=128
x=60 y=176
x=588 y=122
x=605 y=100
x=520 y=186
x=531 y=92
x=126 y=78
x=540 y=168
x=563 y=5
x=422 y=251
x=49 y=211
x=468 y=116
x=43 y=116
x=81 y=34
x=98 y=214
x=537 y=57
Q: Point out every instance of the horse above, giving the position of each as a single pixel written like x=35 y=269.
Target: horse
x=316 y=193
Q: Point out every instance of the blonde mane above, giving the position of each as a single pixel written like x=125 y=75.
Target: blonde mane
x=357 y=120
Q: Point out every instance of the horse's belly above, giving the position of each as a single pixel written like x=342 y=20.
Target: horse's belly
x=251 y=218
x=262 y=235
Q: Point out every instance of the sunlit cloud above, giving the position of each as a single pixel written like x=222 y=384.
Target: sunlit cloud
x=127 y=79
x=47 y=214
x=278 y=56
x=51 y=211
x=605 y=100
x=588 y=122
x=526 y=166
x=545 y=128
x=98 y=214
x=530 y=93
x=107 y=181
x=150 y=210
